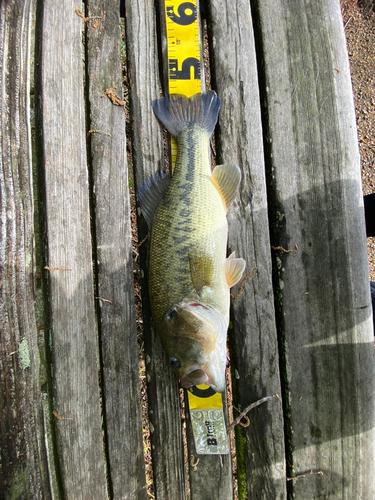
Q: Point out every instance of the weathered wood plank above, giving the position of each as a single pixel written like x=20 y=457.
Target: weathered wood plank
x=72 y=327
x=253 y=339
x=23 y=464
x=148 y=157
x=211 y=477
x=323 y=295
x=120 y=381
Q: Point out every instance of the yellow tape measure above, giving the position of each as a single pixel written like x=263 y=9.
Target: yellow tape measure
x=184 y=66
x=202 y=396
x=207 y=421
x=184 y=77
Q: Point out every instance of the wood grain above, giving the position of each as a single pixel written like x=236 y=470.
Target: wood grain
x=253 y=339
x=114 y=261
x=72 y=327
x=323 y=299
x=23 y=463
x=148 y=157
x=312 y=208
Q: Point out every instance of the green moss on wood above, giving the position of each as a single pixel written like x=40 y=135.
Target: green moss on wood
x=24 y=355
x=20 y=485
x=240 y=457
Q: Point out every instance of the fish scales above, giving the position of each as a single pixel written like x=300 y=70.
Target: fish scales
x=183 y=226
x=189 y=274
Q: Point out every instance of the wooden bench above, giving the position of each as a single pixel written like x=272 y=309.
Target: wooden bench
x=302 y=326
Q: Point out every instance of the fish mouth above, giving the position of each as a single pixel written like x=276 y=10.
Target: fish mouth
x=194 y=376
x=198 y=378
x=199 y=331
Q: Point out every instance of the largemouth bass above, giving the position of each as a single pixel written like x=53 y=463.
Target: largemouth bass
x=189 y=274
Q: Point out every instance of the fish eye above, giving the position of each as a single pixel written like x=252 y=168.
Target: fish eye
x=171 y=315
x=174 y=362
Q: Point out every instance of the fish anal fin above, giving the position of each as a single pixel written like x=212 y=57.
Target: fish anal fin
x=150 y=193
x=233 y=269
x=227 y=179
x=201 y=271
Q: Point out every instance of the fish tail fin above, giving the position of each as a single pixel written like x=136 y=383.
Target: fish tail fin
x=175 y=111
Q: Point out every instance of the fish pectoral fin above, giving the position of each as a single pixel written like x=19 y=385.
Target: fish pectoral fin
x=201 y=271
x=150 y=194
x=233 y=269
x=227 y=179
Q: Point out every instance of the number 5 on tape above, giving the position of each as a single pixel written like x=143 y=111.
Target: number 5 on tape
x=207 y=420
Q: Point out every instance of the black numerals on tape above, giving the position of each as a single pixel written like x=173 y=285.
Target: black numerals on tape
x=187 y=14
x=185 y=71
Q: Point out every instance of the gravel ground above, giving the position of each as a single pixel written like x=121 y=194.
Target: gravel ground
x=360 y=34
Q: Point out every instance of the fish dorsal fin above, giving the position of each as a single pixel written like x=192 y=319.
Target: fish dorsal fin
x=201 y=271
x=150 y=193
x=233 y=269
x=227 y=179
